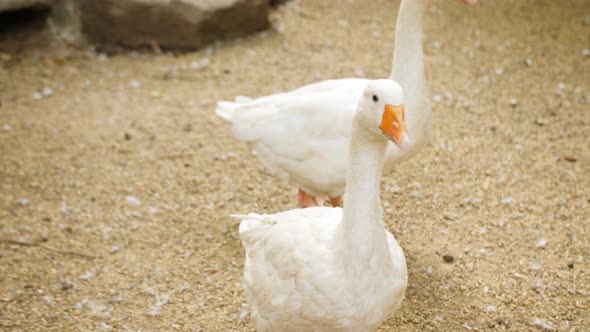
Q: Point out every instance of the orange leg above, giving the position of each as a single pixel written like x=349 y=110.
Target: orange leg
x=305 y=200
x=336 y=201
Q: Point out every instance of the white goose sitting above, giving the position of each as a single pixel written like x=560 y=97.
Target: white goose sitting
x=317 y=117
x=333 y=269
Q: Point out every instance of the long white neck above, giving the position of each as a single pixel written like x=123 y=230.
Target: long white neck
x=408 y=68
x=361 y=232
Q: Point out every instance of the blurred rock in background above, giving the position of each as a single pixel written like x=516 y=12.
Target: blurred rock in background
x=166 y=24
x=11 y=5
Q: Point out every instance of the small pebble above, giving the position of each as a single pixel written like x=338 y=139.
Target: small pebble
x=507 y=200
x=127 y=136
x=133 y=200
x=23 y=202
x=570 y=158
x=490 y=308
x=200 y=63
x=105 y=326
x=37 y=95
x=135 y=84
x=6 y=127
x=66 y=284
x=586 y=52
x=499 y=71
x=47 y=92
x=86 y=276
x=528 y=62
x=429 y=269
x=436 y=98
x=102 y=57
x=541 y=243
x=571 y=265
x=448 y=258
x=540 y=121
x=513 y=102
x=536 y=266
x=543 y=325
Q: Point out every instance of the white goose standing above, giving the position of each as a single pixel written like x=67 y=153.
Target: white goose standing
x=333 y=269
x=313 y=156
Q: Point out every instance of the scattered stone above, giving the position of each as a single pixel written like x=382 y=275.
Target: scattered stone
x=497 y=321
x=429 y=269
x=127 y=136
x=543 y=325
x=513 y=102
x=486 y=184
x=571 y=265
x=448 y=258
x=86 y=276
x=536 y=266
x=66 y=284
x=132 y=200
x=199 y=64
x=507 y=200
x=37 y=95
x=499 y=71
x=47 y=92
x=570 y=158
x=49 y=300
x=541 y=243
x=23 y=202
x=540 y=121
x=436 y=98
x=105 y=326
x=586 y=52
x=64 y=208
x=6 y=127
x=135 y=84
x=449 y=216
x=490 y=308
x=528 y=62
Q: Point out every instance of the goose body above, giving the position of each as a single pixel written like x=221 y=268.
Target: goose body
x=294 y=281
x=332 y=269
x=314 y=156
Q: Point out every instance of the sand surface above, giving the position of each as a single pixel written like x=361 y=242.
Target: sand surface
x=122 y=157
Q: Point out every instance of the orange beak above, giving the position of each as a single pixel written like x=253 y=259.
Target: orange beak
x=393 y=124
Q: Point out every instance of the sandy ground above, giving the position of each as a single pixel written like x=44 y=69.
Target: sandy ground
x=125 y=160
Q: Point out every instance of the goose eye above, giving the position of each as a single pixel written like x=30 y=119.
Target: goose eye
x=375 y=98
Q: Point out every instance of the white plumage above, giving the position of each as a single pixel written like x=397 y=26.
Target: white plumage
x=303 y=135
x=329 y=269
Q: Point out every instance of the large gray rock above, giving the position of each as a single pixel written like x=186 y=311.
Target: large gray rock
x=177 y=24
x=10 y=5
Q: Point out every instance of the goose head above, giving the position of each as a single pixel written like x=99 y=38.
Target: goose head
x=382 y=105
